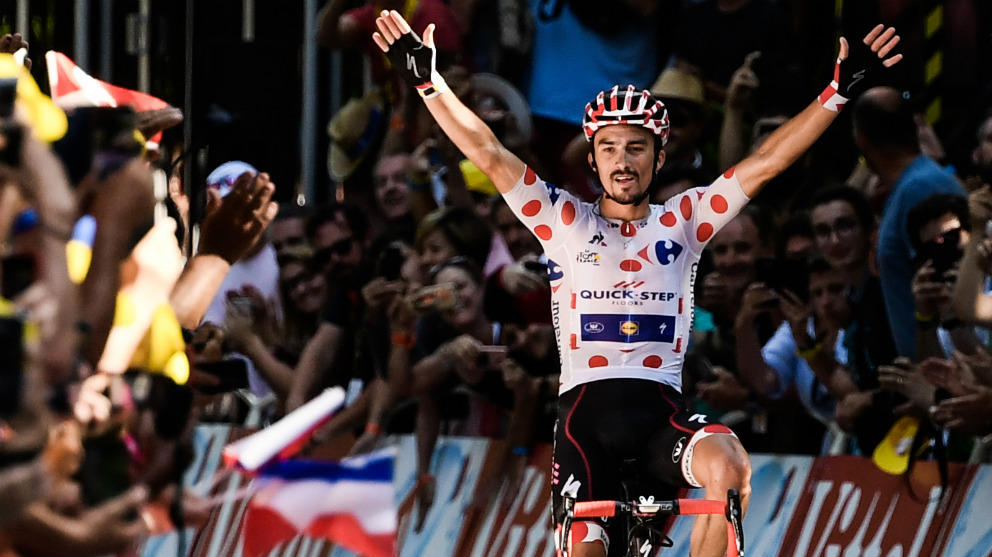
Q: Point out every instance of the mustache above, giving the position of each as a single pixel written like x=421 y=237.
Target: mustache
x=628 y=171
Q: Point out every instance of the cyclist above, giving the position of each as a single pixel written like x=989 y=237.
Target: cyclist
x=621 y=273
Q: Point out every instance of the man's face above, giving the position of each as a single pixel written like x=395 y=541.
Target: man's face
x=518 y=238
x=288 y=232
x=623 y=158
x=839 y=235
x=735 y=248
x=391 y=194
x=828 y=299
x=336 y=250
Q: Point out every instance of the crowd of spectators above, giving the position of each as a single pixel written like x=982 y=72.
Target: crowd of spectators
x=835 y=304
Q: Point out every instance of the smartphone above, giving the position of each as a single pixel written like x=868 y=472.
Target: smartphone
x=11 y=365
x=242 y=304
x=390 y=262
x=438 y=297
x=943 y=255
x=232 y=373
x=783 y=274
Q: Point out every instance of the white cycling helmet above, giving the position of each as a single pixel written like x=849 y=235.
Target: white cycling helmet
x=628 y=106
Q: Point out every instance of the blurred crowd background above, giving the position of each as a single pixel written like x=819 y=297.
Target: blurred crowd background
x=302 y=223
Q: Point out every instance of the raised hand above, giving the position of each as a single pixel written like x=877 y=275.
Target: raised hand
x=855 y=63
x=413 y=59
x=233 y=224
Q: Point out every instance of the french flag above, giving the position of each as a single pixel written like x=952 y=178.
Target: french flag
x=351 y=503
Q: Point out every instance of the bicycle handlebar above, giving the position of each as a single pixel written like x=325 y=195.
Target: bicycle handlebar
x=592 y=509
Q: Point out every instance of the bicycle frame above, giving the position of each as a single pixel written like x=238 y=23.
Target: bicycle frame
x=731 y=509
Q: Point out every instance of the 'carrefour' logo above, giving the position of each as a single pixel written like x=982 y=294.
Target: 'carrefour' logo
x=667 y=251
x=628 y=328
x=593 y=327
x=553 y=192
x=554 y=271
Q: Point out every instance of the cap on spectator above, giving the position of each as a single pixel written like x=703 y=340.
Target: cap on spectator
x=224 y=176
x=353 y=132
x=487 y=84
x=674 y=83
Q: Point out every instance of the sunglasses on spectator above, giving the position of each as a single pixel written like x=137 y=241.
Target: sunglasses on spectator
x=341 y=248
x=844 y=228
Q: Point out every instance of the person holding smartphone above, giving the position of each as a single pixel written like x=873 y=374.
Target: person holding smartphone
x=622 y=306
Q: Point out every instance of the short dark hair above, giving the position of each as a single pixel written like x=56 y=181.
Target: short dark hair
x=932 y=208
x=354 y=216
x=885 y=122
x=852 y=196
x=817 y=263
x=469 y=234
x=764 y=221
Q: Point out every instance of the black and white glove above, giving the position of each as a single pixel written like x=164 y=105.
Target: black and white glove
x=864 y=58
x=416 y=62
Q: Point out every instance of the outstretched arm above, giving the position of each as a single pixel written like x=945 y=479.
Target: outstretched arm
x=415 y=61
x=790 y=141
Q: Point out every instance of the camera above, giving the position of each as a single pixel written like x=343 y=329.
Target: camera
x=390 y=263
x=783 y=274
x=439 y=297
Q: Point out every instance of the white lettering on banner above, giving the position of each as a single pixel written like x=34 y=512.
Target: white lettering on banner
x=846 y=509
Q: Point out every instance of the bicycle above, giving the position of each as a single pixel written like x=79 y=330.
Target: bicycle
x=644 y=516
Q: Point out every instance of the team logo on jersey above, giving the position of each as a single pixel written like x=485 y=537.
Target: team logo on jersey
x=554 y=271
x=667 y=251
x=588 y=257
x=631 y=284
x=625 y=328
x=553 y=192
x=598 y=238
x=593 y=327
x=677 y=452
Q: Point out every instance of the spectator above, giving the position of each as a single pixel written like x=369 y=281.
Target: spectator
x=885 y=133
x=779 y=365
x=939 y=229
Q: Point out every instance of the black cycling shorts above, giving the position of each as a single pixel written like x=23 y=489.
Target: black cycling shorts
x=634 y=430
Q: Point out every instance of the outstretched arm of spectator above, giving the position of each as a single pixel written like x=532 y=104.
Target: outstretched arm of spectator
x=108 y=528
x=230 y=228
x=468 y=132
x=754 y=371
x=792 y=139
x=970 y=302
x=317 y=357
x=742 y=84
x=334 y=28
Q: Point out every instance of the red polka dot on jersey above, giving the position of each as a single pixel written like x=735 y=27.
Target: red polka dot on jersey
x=531 y=208
x=652 y=361
x=530 y=177
x=543 y=232
x=719 y=203
x=686 y=206
x=598 y=361
x=630 y=265
x=568 y=213
x=729 y=173
x=704 y=232
x=669 y=219
x=627 y=230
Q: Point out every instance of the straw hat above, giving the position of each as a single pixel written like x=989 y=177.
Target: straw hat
x=353 y=132
x=679 y=84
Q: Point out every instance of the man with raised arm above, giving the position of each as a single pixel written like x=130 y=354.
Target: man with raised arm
x=621 y=273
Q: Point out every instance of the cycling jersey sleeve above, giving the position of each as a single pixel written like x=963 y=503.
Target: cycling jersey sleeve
x=543 y=208
x=708 y=209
